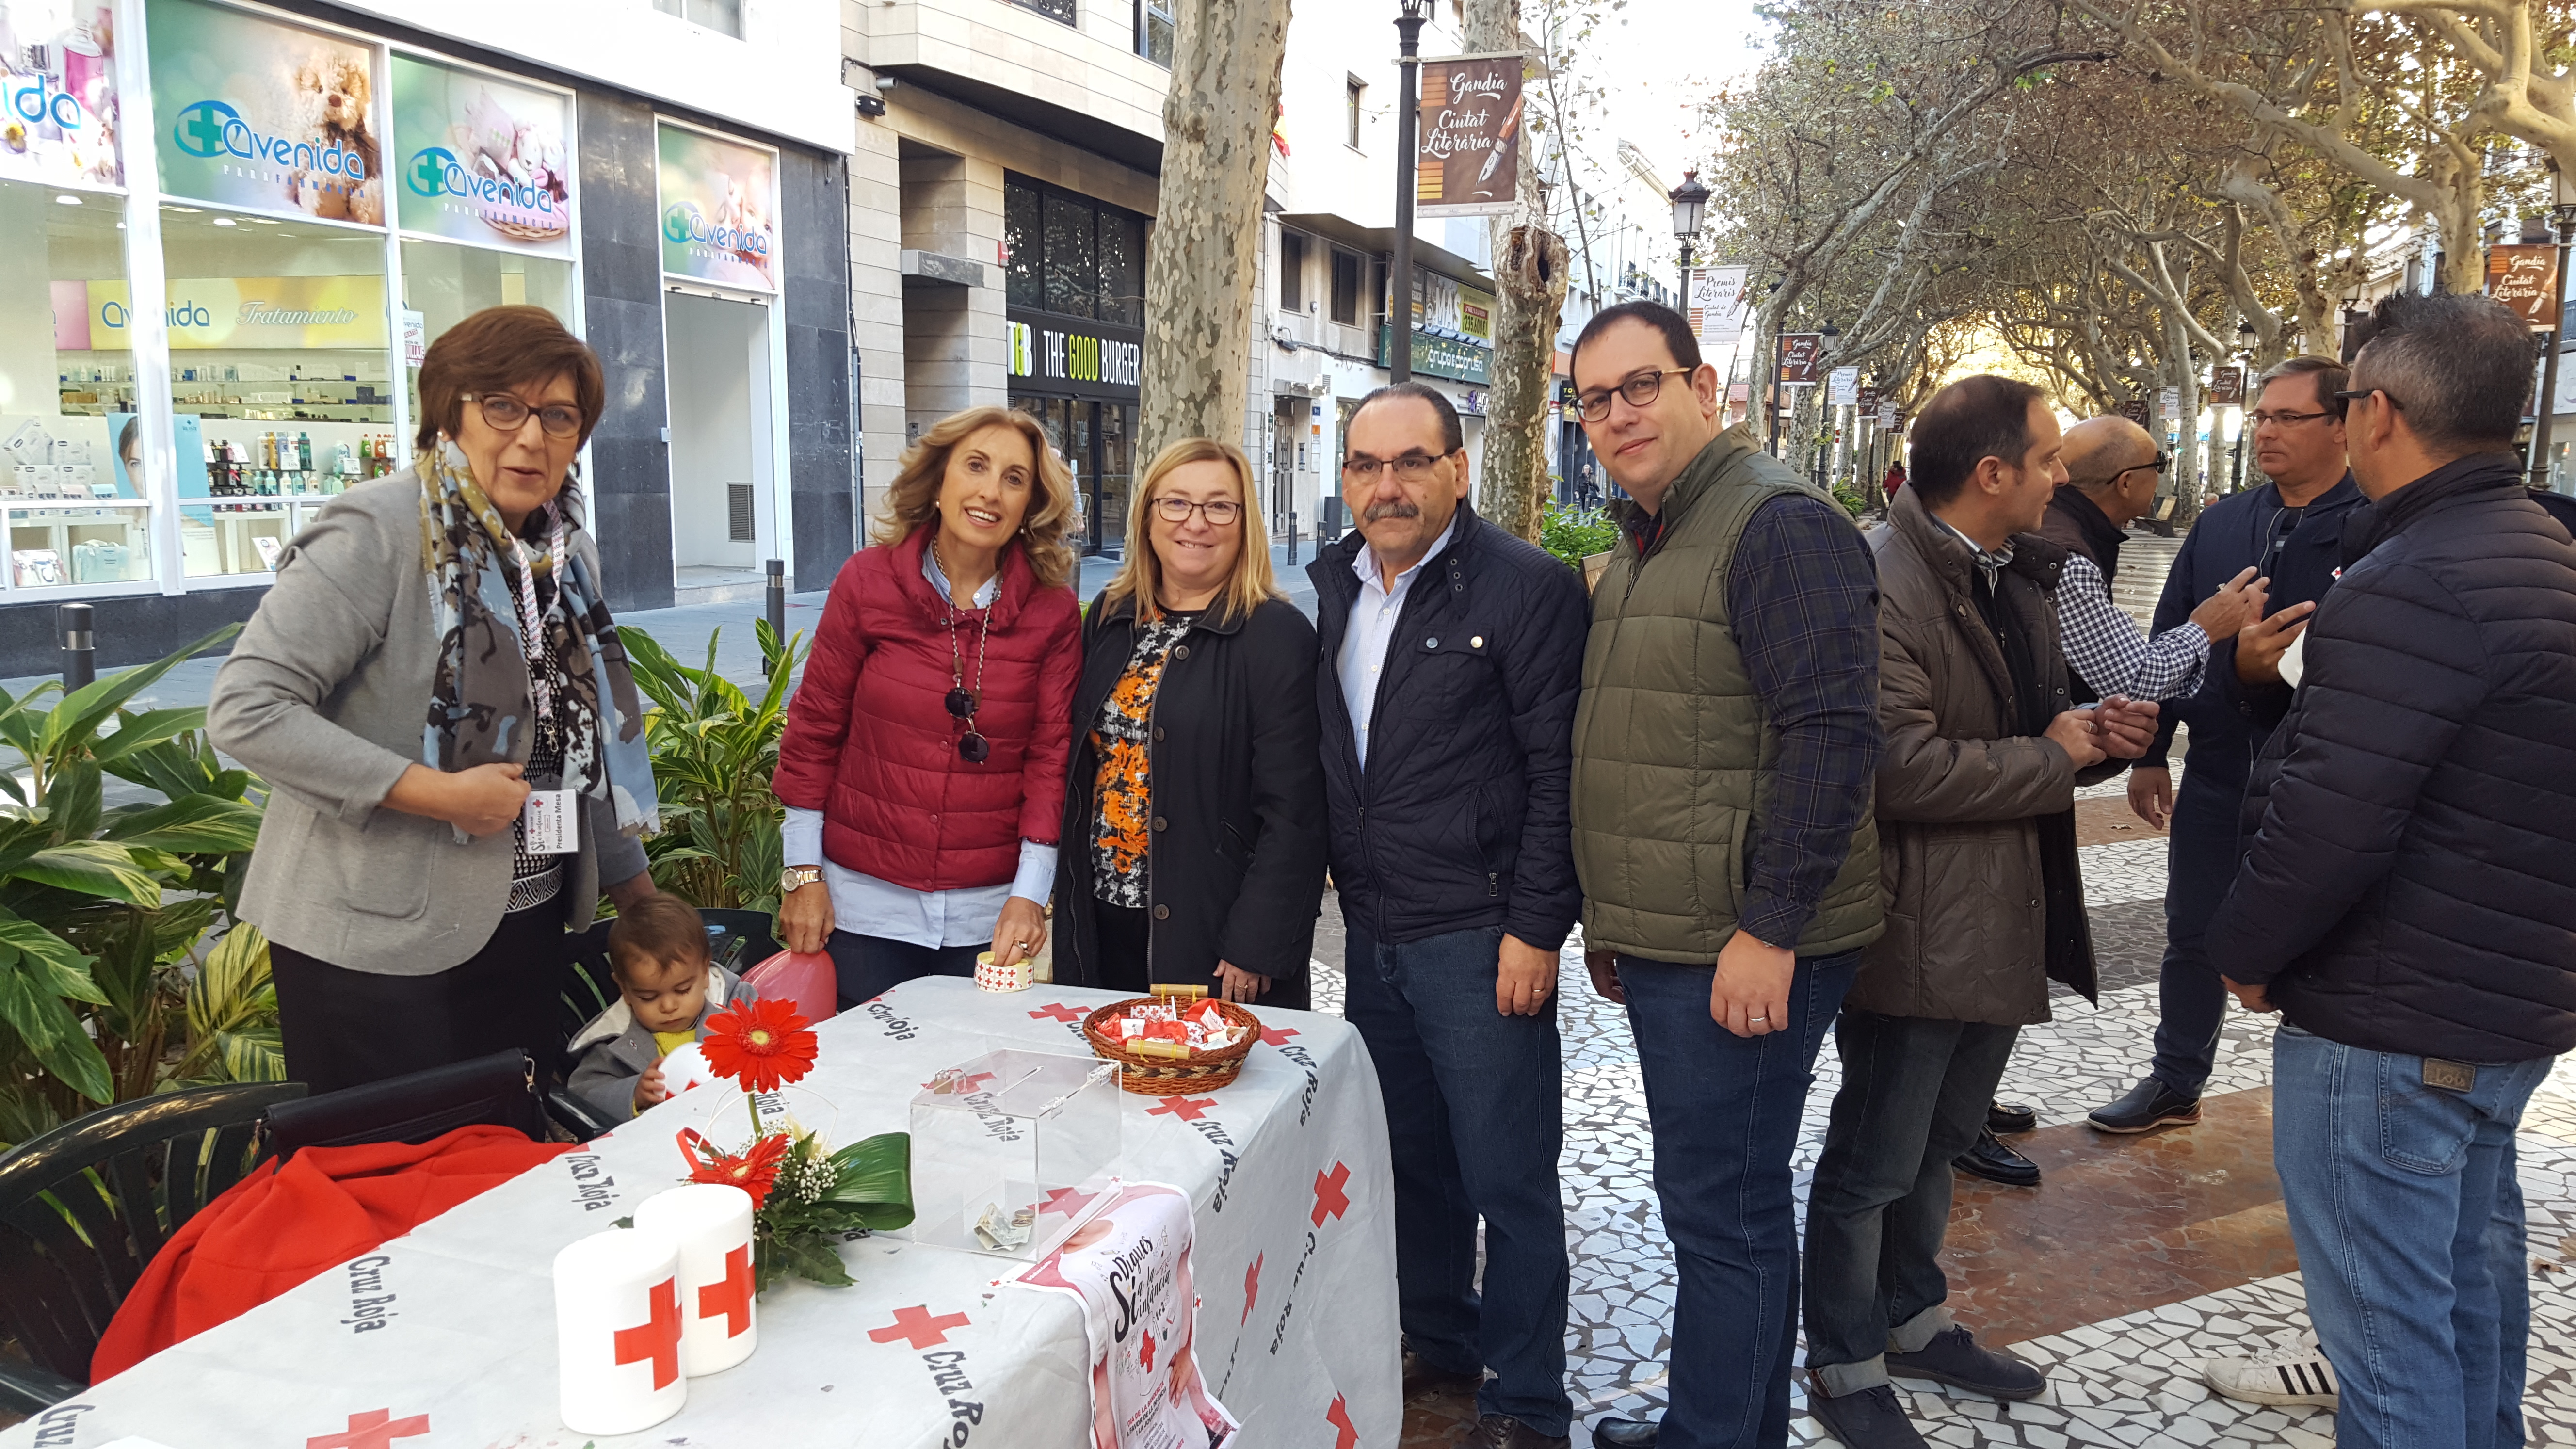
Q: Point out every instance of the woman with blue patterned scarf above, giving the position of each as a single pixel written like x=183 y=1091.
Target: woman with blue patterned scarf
x=436 y=695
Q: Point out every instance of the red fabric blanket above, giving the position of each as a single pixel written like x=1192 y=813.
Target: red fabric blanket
x=282 y=1225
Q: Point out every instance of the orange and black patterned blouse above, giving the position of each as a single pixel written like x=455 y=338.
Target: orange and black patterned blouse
x=1123 y=795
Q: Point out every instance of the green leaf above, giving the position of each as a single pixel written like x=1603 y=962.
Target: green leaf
x=52 y=1032
x=876 y=1179
x=191 y=824
x=81 y=712
x=92 y=867
x=136 y=731
x=809 y=1255
x=72 y=800
x=232 y=1011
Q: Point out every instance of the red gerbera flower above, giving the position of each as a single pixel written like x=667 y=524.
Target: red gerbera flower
x=754 y=1170
x=760 y=1044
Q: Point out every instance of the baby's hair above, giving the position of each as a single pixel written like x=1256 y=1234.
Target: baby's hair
x=659 y=928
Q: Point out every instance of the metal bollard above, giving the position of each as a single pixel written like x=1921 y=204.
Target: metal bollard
x=1292 y=535
x=778 y=598
x=80 y=654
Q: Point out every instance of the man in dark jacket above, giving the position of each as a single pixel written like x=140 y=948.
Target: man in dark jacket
x=2407 y=898
x=1976 y=829
x=2290 y=530
x=1722 y=760
x=1452 y=654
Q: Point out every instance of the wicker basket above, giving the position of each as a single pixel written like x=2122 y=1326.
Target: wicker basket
x=1149 y=1074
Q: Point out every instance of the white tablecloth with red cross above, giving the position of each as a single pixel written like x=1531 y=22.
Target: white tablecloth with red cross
x=1295 y=1268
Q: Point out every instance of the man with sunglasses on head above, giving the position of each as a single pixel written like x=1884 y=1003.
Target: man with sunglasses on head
x=2290 y=531
x=1723 y=757
x=1452 y=653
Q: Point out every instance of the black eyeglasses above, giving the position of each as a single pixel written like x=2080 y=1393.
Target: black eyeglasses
x=2259 y=417
x=2160 y=464
x=506 y=413
x=1412 y=467
x=1640 y=391
x=1221 y=512
x=2356 y=394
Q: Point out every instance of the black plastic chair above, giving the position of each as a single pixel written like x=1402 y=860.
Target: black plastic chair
x=86 y=1207
x=754 y=929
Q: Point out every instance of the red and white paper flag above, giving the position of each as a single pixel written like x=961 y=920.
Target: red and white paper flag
x=617 y=1331
x=711 y=1221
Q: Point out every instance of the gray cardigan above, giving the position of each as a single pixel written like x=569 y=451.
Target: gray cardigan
x=326 y=696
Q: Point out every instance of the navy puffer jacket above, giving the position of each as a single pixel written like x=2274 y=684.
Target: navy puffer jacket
x=2411 y=887
x=1460 y=819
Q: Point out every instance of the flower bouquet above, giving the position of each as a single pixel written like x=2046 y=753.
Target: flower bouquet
x=807 y=1198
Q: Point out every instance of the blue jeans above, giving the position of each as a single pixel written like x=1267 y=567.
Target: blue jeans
x=1725 y=1112
x=1474 y=1120
x=2402 y=1204
x=1914 y=1096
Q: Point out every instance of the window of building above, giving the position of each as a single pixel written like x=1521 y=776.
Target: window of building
x=72 y=458
x=280 y=378
x=722 y=16
x=1154 y=31
x=1346 y=288
x=1067 y=253
x=1377 y=292
x=446 y=284
x=1292 y=272
x=1355 y=92
x=1051 y=9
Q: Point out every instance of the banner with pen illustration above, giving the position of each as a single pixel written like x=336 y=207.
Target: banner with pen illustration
x=1467 y=148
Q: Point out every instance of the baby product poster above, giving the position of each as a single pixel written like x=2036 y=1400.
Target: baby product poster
x=1129 y=1267
x=482 y=160
x=58 y=115
x=263 y=116
x=718 y=204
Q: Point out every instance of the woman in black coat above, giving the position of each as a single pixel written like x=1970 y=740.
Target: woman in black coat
x=1193 y=845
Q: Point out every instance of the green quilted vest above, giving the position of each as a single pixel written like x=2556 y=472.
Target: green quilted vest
x=1672 y=753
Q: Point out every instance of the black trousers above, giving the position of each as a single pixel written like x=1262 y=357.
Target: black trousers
x=345 y=1028
x=866 y=967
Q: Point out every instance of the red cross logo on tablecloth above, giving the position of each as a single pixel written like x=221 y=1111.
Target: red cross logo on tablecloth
x=1330 y=1200
x=731 y=1298
x=1252 y=1285
x=374 y=1429
x=1057 y=1011
x=658 y=1337
x=916 y=1324
x=1188 y=1109
x=1339 y=1416
x=1277 y=1035
x=1066 y=1201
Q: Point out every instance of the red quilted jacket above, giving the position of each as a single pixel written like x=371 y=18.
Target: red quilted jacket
x=871 y=744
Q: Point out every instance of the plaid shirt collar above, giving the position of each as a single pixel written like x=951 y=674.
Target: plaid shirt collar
x=1990 y=562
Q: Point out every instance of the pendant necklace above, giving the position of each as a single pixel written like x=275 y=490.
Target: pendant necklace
x=972 y=747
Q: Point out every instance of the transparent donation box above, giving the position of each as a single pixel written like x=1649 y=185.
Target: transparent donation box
x=1012 y=1151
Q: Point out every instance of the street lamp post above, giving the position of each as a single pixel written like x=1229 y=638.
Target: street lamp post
x=1829 y=341
x=2245 y=337
x=1399 y=281
x=1689 y=200
x=2562 y=217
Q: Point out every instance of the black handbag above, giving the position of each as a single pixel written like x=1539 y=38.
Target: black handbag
x=500 y=1089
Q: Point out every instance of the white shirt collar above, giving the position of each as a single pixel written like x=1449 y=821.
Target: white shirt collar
x=1365 y=564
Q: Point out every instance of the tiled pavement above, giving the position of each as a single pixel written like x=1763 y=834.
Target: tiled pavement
x=2133 y=1261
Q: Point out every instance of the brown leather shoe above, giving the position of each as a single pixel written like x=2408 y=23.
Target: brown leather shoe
x=1422 y=1377
x=1502 y=1431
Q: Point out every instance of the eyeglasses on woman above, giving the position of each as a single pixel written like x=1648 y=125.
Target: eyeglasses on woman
x=506 y=414
x=1219 y=512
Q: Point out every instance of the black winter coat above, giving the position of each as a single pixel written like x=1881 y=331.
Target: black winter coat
x=1460 y=819
x=2243 y=530
x=1236 y=863
x=2411 y=887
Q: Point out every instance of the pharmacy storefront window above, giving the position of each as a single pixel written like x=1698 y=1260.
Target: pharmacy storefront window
x=483 y=190
x=71 y=477
x=281 y=377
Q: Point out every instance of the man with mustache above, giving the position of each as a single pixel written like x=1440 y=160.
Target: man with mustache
x=1452 y=654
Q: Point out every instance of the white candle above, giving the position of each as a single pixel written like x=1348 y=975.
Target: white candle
x=711 y=1221
x=618 y=1331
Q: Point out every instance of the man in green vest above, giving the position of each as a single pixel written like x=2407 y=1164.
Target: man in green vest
x=1723 y=752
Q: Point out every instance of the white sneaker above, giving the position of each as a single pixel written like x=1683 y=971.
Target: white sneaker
x=2295 y=1373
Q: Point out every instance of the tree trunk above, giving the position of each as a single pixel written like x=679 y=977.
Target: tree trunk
x=1530 y=265
x=1203 y=262
x=1530 y=270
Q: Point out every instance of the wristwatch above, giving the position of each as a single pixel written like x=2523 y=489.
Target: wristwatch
x=798 y=875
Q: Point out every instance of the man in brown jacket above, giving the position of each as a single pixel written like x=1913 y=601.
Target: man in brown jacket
x=1975 y=804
